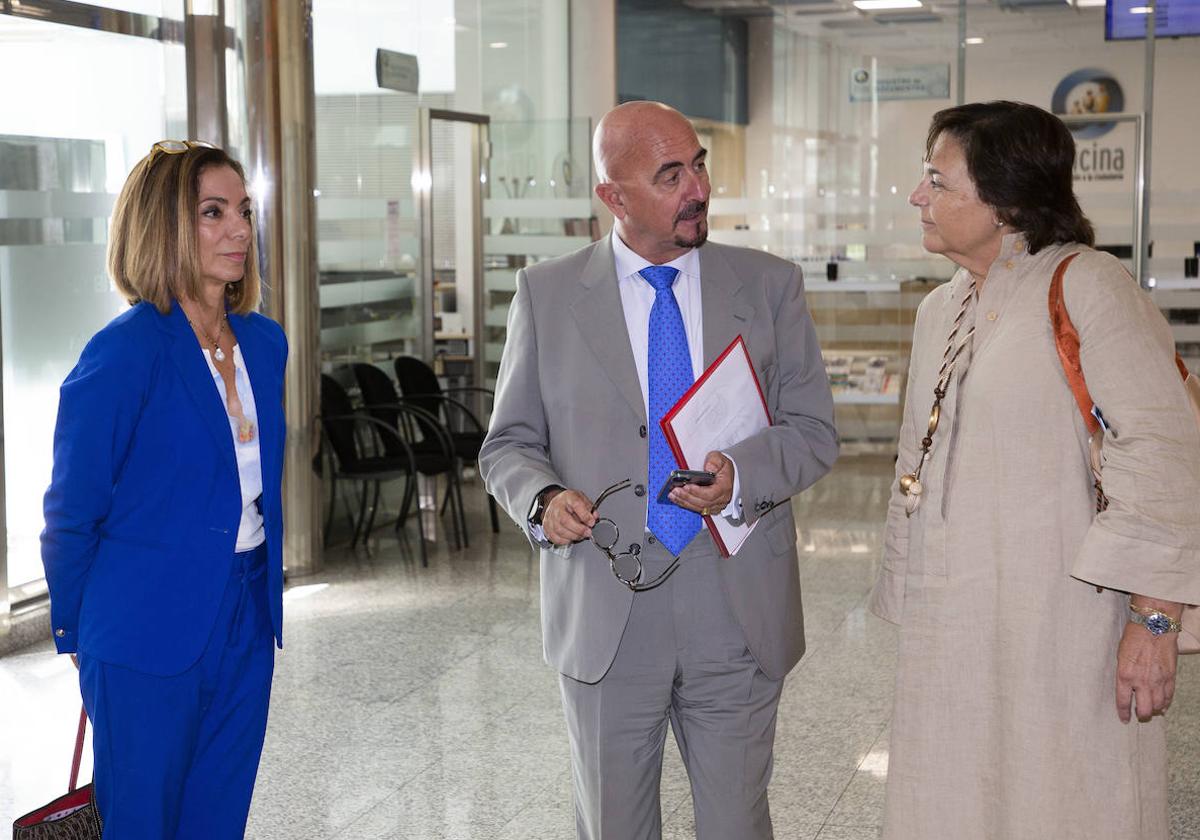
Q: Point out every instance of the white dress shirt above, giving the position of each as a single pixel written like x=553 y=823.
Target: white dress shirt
x=637 y=299
x=249 y=461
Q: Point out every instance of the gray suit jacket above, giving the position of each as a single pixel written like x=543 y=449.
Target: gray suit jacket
x=569 y=411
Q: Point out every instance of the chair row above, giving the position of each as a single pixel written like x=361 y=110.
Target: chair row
x=423 y=431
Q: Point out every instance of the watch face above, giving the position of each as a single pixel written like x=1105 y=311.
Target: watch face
x=1157 y=623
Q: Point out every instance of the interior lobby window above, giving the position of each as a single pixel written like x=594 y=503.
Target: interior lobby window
x=504 y=63
x=90 y=105
x=818 y=164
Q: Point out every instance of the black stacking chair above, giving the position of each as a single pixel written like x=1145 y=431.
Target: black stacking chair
x=420 y=387
x=366 y=450
x=432 y=446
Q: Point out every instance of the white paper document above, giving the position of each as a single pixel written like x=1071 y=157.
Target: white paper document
x=724 y=407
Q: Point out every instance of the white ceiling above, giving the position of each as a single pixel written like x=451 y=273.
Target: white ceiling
x=1022 y=25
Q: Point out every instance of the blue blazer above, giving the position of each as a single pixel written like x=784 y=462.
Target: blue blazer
x=144 y=501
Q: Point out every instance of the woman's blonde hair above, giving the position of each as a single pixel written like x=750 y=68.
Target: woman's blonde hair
x=152 y=250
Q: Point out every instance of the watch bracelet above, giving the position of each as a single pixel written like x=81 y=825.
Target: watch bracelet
x=1137 y=616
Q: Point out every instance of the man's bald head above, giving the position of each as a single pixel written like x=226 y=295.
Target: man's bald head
x=653 y=177
x=627 y=128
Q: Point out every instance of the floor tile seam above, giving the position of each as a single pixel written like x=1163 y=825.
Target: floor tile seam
x=825 y=821
x=883 y=728
x=530 y=801
x=857 y=769
x=823 y=639
x=343 y=828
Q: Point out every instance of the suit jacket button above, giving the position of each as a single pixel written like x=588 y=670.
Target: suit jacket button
x=641 y=431
x=60 y=632
x=639 y=490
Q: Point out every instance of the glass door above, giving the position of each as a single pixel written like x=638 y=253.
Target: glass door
x=452 y=174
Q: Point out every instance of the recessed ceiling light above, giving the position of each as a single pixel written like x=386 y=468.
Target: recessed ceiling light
x=880 y=5
x=1140 y=10
x=1087 y=4
x=498 y=45
x=974 y=40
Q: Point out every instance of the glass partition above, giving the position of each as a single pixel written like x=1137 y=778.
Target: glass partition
x=505 y=61
x=839 y=105
x=60 y=170
x=538 y=206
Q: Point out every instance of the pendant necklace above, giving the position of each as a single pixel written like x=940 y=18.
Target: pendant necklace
x=218 y=353
x=910 y=483
x=245 y=426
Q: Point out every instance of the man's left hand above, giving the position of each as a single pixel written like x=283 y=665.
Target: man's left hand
x=712 y=499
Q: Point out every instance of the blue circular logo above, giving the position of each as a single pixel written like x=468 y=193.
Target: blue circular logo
x=1087 y=92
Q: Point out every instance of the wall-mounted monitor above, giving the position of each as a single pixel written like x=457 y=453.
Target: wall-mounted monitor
x=1126 y=19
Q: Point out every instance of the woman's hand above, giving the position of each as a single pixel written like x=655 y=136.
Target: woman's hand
x=1145 y=668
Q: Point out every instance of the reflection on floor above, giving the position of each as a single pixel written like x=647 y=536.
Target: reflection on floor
x=413 y=703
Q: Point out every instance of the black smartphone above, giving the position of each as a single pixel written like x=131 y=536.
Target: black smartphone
x=678 y=478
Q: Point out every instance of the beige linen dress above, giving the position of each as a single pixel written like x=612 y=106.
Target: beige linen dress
x=1005 y=722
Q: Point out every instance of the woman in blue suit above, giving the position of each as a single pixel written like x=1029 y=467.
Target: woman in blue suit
x=163 y=539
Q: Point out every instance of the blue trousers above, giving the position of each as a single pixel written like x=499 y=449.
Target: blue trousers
x=176 y=757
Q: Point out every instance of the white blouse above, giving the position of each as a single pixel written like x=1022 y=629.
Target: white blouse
x=250 y=529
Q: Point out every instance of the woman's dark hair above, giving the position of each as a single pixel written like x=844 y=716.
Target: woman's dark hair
x=1020 y=158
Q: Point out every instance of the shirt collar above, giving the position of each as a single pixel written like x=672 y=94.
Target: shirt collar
x=1012 y=245
x=629 y=263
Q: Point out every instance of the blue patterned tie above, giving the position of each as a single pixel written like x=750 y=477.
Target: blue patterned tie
x=669 y=375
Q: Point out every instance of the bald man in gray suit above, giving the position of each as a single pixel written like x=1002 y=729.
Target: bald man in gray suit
x=596 y=341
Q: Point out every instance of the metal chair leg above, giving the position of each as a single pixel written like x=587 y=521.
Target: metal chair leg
x=495 y=516
x=420 y=524
x=362 y=514
x=405 y=503
x=458 y=500
x=332 y=508
x=374 y=510
x=447 y=503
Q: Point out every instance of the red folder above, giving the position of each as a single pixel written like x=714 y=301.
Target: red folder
x=735 y=353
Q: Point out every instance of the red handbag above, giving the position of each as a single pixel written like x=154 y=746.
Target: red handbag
x=72 y=816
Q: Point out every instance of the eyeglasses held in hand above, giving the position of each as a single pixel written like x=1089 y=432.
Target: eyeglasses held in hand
x=626 y=565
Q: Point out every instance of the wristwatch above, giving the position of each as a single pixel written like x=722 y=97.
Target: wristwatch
x=538 y=509
x=1153 y=620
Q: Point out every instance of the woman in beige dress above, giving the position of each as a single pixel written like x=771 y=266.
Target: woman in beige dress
x=1029 y=701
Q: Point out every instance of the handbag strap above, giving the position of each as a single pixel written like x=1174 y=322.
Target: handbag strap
x=78 y=759
x=1066 y=342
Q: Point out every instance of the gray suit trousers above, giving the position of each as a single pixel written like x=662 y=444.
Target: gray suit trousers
x=683 y=657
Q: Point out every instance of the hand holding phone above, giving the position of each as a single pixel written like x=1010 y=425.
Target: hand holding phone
x=678 y=478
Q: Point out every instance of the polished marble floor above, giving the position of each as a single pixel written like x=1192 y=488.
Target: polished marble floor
x=413 y=703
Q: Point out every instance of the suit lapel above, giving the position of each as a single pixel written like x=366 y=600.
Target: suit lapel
x=186 y=355
x=724 y=314
x=600 y=318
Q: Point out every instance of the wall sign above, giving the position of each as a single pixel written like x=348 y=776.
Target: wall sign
x=912 y=81
x=397 y=71
x=1088 y=91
